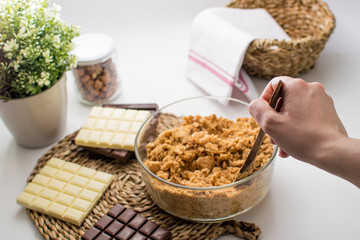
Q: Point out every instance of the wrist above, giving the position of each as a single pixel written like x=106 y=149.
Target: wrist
x=341 y=157
x=330 y=150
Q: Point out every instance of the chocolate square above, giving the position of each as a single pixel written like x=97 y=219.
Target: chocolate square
x=138 y=236
x=137 y=222
x=91 y=234
x=116 y=210
x=125 y=233
x=126 y=216
x=103 y=236
x=160 y=234
x=148 y=228
x=114 y=228
x=104 y=222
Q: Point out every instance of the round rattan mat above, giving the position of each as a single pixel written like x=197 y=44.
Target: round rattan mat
x=129 y=190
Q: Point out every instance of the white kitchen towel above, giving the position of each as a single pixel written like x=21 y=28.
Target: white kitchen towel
x=219 y=40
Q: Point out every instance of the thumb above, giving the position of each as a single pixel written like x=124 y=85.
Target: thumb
x=263 y=113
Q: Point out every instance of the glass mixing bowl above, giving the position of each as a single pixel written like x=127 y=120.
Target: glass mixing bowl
x=201 y=204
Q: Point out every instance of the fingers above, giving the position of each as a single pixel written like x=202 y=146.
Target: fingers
x=268 y=118
x=269 y=89
x=283 y=154
x=263 y=113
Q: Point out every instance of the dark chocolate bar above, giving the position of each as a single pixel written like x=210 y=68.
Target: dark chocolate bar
x=120 y=155
x=125 y=224
x=152 y=107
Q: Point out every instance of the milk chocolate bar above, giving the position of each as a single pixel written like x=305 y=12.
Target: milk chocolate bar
x=65 y=190
x=120 y=155
x=122 y=224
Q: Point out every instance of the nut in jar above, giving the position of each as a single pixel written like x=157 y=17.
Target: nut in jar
x=96 y=76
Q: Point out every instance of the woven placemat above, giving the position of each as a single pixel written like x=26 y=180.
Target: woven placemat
x=129 y=190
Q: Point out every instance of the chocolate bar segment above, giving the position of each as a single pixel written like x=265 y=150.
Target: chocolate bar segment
x=125 y=233
x=104 y=222
x=148 y=228
x=116 y=210
x=126 y=216
x=114 y=228
x=138 y=236
x=152 y=107
x=137 y=222
x=103 y=236
x=120 y=155
x=160 y=234
x=125 y=224
x=91 y=234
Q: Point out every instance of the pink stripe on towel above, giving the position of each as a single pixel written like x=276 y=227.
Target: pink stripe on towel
x=244 y=86
x=216 y=66
x=212 y=70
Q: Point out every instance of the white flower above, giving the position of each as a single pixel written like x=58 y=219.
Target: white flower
x=23 y=33
x=44 y=75
x=9 y=55
x=24 y=23
x=44 y=80
x=31 y=79
x=40 y=82
x=72 y=46
x=56 y=39
x=16 y=64
x=10 y=45
x=26 y=52
x=46 y=55
x=57 y=7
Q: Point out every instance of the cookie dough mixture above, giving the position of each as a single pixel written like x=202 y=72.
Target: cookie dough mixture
x=201 y=152
x=206 y=151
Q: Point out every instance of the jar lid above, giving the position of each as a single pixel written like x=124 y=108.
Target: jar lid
x=93 y=48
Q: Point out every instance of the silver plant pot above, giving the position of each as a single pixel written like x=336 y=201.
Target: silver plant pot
x=40 y=120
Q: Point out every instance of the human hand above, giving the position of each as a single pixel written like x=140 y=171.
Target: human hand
x=306 y=122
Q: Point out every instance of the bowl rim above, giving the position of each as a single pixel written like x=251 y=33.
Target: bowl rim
x=239 y=182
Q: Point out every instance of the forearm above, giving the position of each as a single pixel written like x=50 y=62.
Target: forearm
x=342 y=158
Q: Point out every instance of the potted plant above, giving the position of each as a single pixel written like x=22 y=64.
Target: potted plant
x=35 y=53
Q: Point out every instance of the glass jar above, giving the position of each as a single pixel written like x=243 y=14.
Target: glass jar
x=96 y=76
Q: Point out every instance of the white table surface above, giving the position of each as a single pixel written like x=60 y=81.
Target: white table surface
x=152 y=41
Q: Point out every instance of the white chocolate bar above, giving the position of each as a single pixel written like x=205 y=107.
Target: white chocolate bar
x=65 y=190
x=113 y=128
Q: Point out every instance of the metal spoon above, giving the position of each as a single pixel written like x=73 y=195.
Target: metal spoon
x=260 y=137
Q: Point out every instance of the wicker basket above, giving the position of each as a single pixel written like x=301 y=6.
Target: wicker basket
x=309 y=23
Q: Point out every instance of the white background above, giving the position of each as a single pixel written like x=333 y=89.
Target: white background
x=152 y=41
